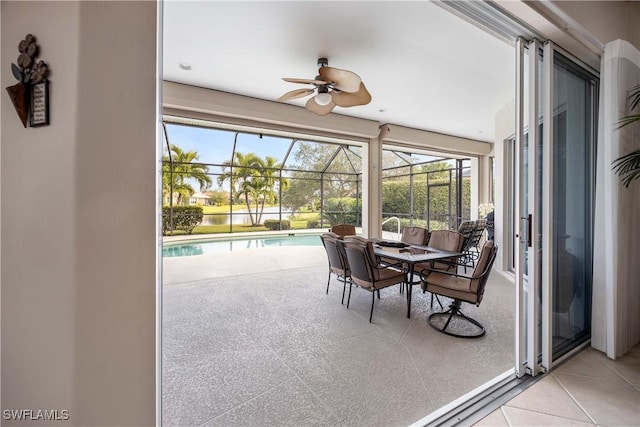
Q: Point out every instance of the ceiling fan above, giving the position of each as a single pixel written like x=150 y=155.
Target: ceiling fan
x=334 y=86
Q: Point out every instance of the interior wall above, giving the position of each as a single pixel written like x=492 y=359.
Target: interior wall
x=38 y=218
x=504 y=130
x=78 y=210
x=606 y=20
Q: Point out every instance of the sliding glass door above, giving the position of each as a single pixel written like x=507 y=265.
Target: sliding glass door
x=553 y=204
x=572 y=178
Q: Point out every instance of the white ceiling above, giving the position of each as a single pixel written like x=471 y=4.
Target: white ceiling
x=424 y=67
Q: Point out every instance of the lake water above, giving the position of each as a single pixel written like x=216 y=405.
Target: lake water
x=242 y=216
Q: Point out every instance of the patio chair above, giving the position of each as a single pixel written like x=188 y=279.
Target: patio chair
x=473 y=232
x=466 y=228
x=461 y=288
x=343 y=230
x=367 y=272
x=412 y=236
x=338 y=264
x=448 y=240
x=415 y=235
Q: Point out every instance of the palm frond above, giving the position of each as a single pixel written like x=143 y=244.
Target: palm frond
x=634 y=97
x=628 y=167
x=627 y=120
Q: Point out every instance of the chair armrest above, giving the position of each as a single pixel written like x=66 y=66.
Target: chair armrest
x=423 y=276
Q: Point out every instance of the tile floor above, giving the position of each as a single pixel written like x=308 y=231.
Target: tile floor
x=587 y=390
x=267 y=346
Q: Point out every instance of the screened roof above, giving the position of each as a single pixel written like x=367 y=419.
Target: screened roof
x=217 y=146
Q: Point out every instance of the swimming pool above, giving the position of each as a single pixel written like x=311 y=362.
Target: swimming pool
x=201 y=247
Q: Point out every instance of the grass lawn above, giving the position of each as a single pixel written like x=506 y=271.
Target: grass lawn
x=299 y=221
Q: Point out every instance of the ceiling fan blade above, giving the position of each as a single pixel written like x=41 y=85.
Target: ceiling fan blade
x=346 y=81
x=297 y=93
x=346 y=99
x=305 y=81
x=321 y=110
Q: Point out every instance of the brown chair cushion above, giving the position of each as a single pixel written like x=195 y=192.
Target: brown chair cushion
x=343 y=230
x=485 y=254
x=447 y=240
x=382 y=277
x=414 y=235
x=451 y=286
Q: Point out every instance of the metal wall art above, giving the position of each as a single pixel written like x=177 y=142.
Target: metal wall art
x=30 y=96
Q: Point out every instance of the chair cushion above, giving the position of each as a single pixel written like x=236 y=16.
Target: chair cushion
x=388 y=277
x=447 y=240
x=483 y=259
x=369 y=247
x=414 y=235
x=450 y=286
x=343 y=229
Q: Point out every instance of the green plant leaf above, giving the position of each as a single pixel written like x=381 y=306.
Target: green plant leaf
x=628 y=167
x=16 y=72
x=634 y=97
x=625 y=121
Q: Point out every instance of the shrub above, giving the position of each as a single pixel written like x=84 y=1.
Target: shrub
x=313 y=223
x=185 y=218
x=343 y=210
x=274 y=224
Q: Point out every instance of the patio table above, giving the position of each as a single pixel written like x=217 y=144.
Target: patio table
x=411 y=255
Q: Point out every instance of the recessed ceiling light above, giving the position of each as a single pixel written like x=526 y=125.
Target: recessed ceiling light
x=185 y=66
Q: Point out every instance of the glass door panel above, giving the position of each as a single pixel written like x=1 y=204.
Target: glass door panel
x=553 y=204
x=574 y=101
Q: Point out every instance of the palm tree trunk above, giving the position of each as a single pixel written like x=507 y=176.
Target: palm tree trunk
x=261 y=211
x=246 y=201
x=258 y=216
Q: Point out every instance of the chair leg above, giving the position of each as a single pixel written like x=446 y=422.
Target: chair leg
x=344 y=287
x=349 y=298
x=378 y=292
x=373 y=298
x=328 y=281
x=454 y=310
x=438 y=299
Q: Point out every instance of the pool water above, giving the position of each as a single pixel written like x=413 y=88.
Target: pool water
x=202 y=247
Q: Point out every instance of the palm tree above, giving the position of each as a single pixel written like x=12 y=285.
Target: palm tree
x=628 y=166
x=270 y=183
x=253 y=180
x=177 y=170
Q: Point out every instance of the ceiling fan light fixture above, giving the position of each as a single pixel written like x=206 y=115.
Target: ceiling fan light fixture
x=323 y=98
x=335 y=87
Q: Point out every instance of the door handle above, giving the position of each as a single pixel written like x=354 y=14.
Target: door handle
x=525 y=227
